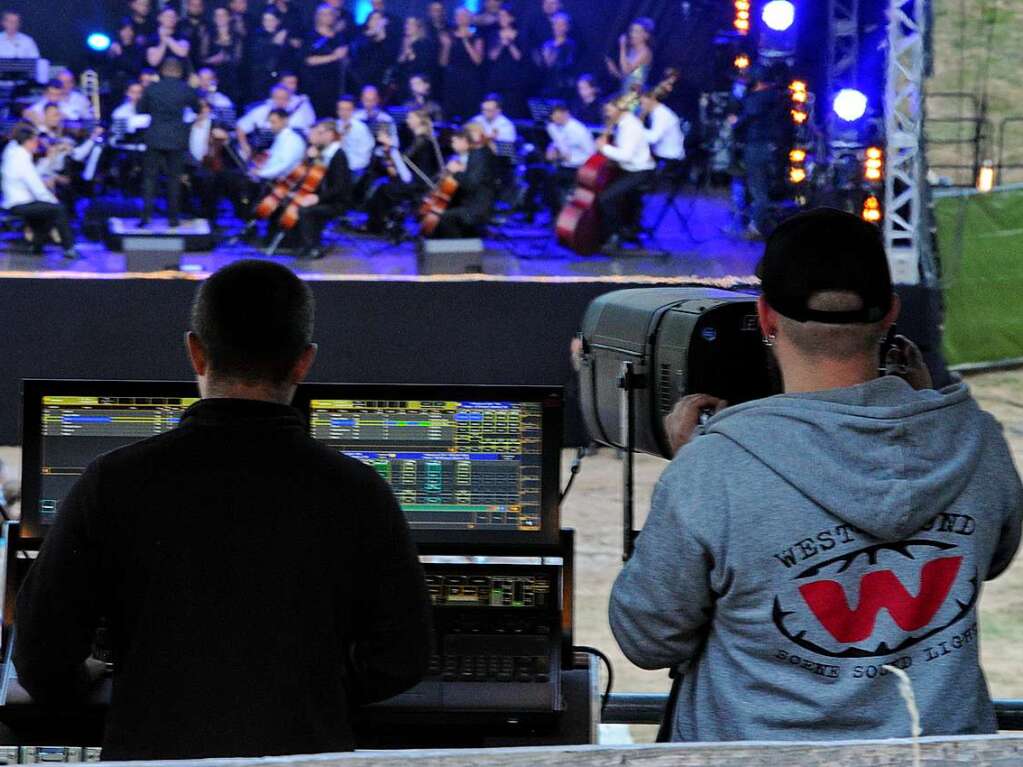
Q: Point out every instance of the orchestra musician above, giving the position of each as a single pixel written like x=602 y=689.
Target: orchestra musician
x=620 y=203
x=74 y=105
x=26 y=195
x=300 y=106
x=372 y=114
x=496 y=127
x=664 y=134
x=58 y=146
x=300 y=116
x=356 y=139
x=334 y=194
x=286 y=151
x=208 y=84
x=216 y=174
x=166 y=137
x=587 y=106
x=409 y=176
x=15 y=44
x=570 y=147
x=420 y=86
x=472 y=168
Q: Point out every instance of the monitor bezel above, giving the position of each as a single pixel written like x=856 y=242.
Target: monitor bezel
x=32 y=392
x=550 y=397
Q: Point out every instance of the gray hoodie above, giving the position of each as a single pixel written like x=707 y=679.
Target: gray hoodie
x=806 y=540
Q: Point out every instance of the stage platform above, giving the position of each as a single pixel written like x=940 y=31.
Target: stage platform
x=695 y=245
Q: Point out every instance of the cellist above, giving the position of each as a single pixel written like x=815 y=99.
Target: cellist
x=334 y=194
x=472 y=167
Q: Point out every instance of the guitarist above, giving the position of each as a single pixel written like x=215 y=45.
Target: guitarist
x=620 y=203
x=334 y=194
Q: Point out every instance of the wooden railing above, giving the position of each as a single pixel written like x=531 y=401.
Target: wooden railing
x=1002 y=750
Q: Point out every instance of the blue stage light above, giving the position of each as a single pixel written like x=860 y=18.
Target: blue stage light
x=779 y=15
x=98 y=42
x=850 y=104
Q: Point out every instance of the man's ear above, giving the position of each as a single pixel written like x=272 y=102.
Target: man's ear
x=304 y=363
x=197 y=354
x=767 y=318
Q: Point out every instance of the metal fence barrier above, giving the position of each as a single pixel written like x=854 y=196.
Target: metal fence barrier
x=647 y=708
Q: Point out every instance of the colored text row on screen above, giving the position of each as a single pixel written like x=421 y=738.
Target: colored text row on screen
x=77 y=430
x=452 y=465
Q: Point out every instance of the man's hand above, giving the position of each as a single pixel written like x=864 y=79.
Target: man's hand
x=454 y=166
x=682 y=421
x=905 y=361
x=601 y=142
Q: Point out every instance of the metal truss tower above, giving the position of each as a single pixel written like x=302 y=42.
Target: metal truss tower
x=906 y=228
x=843 y=44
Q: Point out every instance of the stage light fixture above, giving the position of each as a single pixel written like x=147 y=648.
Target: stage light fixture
x=779 y=15
x=742 y=62
x=797 y=175
x=797 y=156
x=799 y=117
x=871 y=210
x=850 y=104
x=98 y=42
x=874 y=164
x=742 y=11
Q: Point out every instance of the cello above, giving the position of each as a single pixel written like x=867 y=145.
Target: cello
x=578 y=225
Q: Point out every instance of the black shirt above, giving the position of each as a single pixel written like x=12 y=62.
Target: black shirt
x=256 y=584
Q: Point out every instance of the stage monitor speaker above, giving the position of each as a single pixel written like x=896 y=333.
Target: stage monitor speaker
x=125 y=235
x=681 y=341
x=451 y=256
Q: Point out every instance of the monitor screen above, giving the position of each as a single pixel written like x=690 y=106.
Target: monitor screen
x=68 y=424
x=467 y=464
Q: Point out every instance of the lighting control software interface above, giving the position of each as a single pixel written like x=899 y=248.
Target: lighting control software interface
x=77 y=430
x=452 y=465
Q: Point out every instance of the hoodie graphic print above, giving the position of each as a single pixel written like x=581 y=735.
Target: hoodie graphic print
x=804 y=542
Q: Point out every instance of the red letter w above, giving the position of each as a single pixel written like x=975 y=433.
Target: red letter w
x=881 y=590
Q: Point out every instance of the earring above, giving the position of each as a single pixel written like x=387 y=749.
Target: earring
x=769 y=340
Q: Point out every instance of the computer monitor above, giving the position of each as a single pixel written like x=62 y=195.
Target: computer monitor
x=68 y=424
x=468 y=464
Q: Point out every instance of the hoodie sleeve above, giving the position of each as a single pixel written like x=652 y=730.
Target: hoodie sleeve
x=662 y=601
x=1009 y=535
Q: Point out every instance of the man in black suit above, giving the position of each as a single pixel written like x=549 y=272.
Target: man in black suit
x=334 y=194
x=166 y=138
x=257 y=585
x=473 y=169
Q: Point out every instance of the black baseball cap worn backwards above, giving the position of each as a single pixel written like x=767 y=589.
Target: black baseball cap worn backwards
x=826 y=250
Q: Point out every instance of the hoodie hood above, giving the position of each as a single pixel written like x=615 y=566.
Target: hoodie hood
x=908 y=454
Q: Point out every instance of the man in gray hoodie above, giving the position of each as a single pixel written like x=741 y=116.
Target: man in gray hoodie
x=804 y=541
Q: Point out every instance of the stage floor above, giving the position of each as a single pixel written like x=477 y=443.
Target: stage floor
x=694 y=243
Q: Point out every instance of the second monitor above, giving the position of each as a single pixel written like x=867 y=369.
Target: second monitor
x=467 y=464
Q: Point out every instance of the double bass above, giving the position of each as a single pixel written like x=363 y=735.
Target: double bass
x=578 y=226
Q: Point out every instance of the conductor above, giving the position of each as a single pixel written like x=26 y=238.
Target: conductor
x=166 y=138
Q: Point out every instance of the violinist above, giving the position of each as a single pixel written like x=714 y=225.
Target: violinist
x=334 y=194
x=409 y=175
x=63 y=153
x=472 y=167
